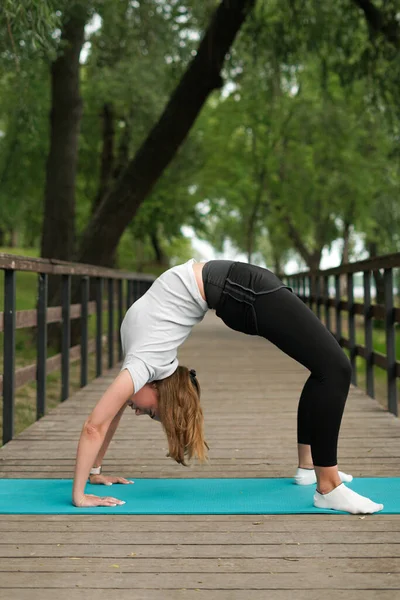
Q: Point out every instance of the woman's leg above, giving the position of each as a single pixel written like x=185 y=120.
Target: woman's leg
x=283 y=319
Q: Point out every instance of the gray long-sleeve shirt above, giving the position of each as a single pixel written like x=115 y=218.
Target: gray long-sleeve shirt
x=159 y=322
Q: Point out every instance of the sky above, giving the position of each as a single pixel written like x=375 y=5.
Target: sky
x=330 y=258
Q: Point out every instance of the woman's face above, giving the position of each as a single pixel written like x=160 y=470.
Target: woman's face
x=145 y=402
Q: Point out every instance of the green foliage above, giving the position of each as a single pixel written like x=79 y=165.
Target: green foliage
x=28 y=28
x=302 y=142
x=24 y=108
x=301 y=145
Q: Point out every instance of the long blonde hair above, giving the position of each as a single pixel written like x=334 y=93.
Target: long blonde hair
x=181 y=416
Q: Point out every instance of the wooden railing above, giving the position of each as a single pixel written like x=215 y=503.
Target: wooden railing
x=123 y=288
x=314 y=290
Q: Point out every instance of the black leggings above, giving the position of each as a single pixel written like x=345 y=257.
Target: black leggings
x=253 y=300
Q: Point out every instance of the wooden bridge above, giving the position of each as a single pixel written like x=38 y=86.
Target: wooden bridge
x=250 y=392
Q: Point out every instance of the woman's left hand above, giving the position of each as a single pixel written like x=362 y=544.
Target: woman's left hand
x=107 y=480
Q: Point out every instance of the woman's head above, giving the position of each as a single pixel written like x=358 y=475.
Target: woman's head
x=145 y=401
x=181 y=415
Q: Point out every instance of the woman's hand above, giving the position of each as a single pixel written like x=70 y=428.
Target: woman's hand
x=91 y=500
x=107 y=480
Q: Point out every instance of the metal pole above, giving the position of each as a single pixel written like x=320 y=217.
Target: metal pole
x=85 y=286
x=66 y=335
x=9 y=355
x=41 y=345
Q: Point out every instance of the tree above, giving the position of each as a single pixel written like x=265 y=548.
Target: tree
x=101 y=236
x=58 y=234
x=321 y=146
x=26 y=44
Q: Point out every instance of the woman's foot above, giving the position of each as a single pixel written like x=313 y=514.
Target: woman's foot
x=308 y=477
x=345 y=499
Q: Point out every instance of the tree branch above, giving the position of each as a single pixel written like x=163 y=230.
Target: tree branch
x=200 y=79
x=378 y=22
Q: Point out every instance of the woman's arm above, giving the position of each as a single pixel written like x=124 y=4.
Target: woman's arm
x=94 y=432
x=102 y=479
x=109 y=435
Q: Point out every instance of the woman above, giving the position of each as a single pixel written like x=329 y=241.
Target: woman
x=248 y=299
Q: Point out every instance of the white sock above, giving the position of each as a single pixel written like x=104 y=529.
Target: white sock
x=343 y=498
x=308 y=476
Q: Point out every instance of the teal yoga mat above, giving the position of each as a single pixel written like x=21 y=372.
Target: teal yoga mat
x=187 y=496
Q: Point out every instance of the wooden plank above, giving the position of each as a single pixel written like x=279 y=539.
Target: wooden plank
x=337 y=550
x=290 y=519
x=208 y=537
x=60 y=267
x=145 y=523
x=26 y=374
x=133 y=564
x=369 y=264
x=198 y=594
x=114 y=580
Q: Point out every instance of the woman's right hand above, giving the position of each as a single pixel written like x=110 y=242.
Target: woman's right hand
x=92 y=500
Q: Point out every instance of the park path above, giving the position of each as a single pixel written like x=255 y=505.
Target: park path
x=249 y=393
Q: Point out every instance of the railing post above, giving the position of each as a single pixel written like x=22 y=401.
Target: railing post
x=66 y=334
x=85 y=286
x=390 y=342
x=120 y=317
x=296 y=286
x=135 y=288
x=317 y=280
x=128 y=293
x=338 y=331
x=41 y=345
x=9 y=355
x=368 y=328
x=110 y=299
x=141 y=288
x=99 y=326
x=327 y=307
x=352 y=328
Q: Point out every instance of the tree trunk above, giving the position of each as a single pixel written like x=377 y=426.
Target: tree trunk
x=345 y=257
x=250 y=233
x=58 y=235
x=14 y=238
x=122 y=159
x=161 y=258
x=377 y=275
x=200 y=79
x=379 y=23
x=107 y=155
x=278 y=265
x=313 y=263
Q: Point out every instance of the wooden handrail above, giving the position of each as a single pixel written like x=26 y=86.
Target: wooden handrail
x=388 y=261
x=60 y=267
